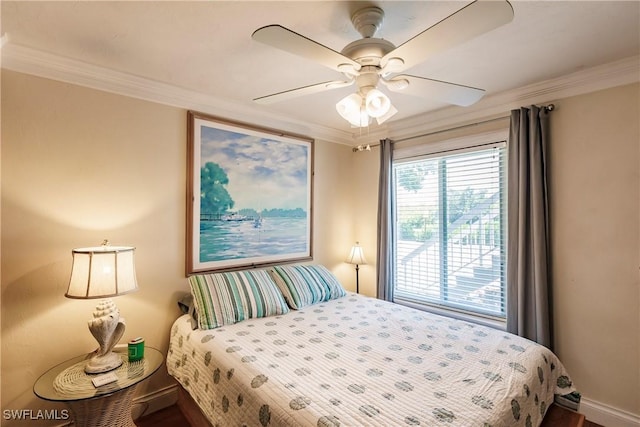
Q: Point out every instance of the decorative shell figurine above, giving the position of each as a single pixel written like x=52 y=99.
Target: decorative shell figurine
x=107 y=328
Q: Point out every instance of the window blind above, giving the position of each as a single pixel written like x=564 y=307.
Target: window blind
x=450 y=229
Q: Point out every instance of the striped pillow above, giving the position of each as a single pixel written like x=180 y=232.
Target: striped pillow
x=228 y=298
x=304 y=285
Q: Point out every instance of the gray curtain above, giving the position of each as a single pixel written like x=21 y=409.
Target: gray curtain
x=384 y=268
x=528 y=288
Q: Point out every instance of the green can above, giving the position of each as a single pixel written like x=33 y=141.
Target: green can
x=136 y=349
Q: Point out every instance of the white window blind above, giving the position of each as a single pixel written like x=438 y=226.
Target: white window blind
x=449 y=246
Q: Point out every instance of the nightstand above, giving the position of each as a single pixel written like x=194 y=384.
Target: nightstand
x=105 y=406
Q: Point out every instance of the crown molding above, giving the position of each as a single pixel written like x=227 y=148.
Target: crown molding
x=47 y=65
x=44 y=64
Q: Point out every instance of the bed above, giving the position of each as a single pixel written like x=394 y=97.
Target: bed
x=343 y=359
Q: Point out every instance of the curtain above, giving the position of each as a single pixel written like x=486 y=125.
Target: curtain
x=528 y=288
x=384 y=267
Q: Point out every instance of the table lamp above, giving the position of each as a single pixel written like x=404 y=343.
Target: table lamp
x=356 y=256
x=103 y=272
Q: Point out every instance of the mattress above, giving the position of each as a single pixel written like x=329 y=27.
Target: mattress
x=358 y=361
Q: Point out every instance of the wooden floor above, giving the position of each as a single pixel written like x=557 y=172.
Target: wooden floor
x=557 y=416
x=167 y=417
x=172 y=417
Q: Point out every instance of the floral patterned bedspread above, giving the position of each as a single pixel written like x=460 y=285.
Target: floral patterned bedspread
x=358 y=361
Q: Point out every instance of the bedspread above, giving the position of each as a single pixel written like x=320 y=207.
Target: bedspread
x=358 y=361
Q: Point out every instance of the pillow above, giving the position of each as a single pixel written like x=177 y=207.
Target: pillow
x=228 y=298
x=304 y=285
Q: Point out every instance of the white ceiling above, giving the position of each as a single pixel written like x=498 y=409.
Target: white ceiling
x=206 y=47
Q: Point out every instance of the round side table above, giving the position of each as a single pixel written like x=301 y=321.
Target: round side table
x=105 y=406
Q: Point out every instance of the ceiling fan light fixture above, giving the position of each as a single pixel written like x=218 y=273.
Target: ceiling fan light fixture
x=350 y=109
x=392 y=111
x=359 y=111
x=359 y=119
x=377 y=103
x=363 y=120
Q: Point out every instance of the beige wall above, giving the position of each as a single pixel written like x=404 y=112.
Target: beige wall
x=594 y=184
x=365 y=185
x=78 y=166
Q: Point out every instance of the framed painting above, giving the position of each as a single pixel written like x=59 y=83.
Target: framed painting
x=249 y=196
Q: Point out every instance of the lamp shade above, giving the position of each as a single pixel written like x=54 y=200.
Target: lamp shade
x=102 y=272
x=350 y=109
x=377 y=103
x=359 y=111
x=392 y=111
x=356 y=256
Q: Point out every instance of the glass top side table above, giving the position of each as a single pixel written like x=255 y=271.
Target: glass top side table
x=108 y=405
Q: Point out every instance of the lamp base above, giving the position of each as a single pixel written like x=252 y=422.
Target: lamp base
x=107 y=328
x=99 y=364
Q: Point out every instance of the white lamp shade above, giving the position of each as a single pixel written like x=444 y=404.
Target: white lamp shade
x=377 y=103
x=359 y=112
x=349 y=109
x=102 y=272
x=392 y=111
x=356 y=256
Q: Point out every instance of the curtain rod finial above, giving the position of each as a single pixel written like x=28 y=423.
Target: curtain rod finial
x=362 y=148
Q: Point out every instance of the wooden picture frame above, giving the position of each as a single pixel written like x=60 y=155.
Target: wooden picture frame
x=255 y=189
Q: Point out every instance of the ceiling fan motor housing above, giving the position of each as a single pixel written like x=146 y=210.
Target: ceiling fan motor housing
x=367 y=79
x=368 y=51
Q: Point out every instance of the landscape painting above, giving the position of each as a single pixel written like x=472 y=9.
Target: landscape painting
x=249 y=196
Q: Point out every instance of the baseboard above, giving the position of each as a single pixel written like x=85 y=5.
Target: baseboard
x=154 y=401
x=606 y=415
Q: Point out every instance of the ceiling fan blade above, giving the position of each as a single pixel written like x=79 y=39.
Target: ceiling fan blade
x=471 y=21
x=284 y=39
x=450 y=93
x=305 y=90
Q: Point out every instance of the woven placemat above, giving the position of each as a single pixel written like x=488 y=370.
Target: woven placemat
x=74 y=382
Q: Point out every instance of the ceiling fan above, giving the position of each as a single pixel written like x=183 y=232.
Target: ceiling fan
x=369 y=61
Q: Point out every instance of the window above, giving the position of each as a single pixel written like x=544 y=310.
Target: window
x=449 y=245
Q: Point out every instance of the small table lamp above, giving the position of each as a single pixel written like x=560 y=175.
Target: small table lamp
x=103 y=272
x=356 y=256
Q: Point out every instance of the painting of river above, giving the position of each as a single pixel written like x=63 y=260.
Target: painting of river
x=250 y=200
x=273 y=237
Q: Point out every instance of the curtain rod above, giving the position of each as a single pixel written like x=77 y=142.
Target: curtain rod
x=367 y=147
